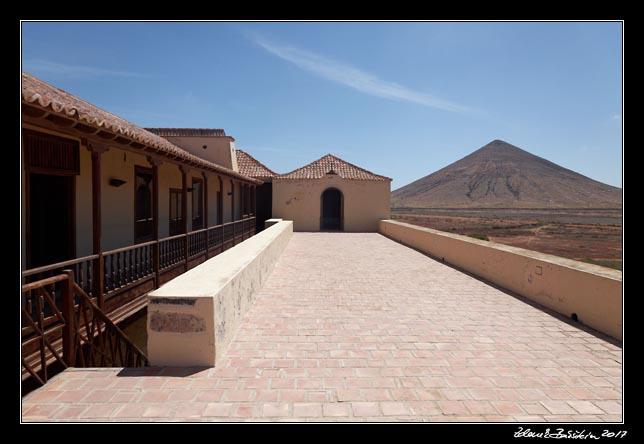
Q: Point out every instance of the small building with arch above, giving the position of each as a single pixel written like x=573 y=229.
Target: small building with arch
x=331 y=194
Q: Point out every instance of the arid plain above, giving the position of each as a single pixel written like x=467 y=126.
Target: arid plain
x=589 y=235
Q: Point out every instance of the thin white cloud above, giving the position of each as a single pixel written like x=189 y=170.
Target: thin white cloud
x=353 y=77
x=310 y=154
x=617 y=117
x=75 y=71
x=272 y=150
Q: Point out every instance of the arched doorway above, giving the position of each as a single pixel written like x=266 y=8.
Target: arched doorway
x=332 y=210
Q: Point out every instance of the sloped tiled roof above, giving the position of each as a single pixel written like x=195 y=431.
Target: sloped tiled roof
x=36 y=92
x=188 y=132
x=249 y=166
x=331 y=164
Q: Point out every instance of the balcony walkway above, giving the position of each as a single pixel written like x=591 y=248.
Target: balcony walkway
x=355 y=327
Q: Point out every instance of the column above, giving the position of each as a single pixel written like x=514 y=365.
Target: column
x=155 y=214
x=97 y=226
x=220 y=202
x=184 y=210
x=205 y=209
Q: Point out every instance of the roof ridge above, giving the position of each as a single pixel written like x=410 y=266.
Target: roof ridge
x=356 y=166
x=251 y=158
x=301 y=168
x=342 y=162
x=189 y=127
x=187 y=132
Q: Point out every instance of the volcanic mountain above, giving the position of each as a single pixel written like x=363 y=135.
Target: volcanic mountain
x=500 y=175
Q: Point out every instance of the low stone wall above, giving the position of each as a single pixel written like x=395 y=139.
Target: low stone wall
x=592 y=293
x=192 y=319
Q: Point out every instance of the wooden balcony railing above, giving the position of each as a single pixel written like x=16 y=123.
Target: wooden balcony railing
x=172 y=251
x=107 y=286
x=65 y=326
x=127 y=265
x=82 y=268
x=43 y=323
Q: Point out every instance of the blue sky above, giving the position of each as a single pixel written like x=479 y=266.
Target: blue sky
x=400 y=99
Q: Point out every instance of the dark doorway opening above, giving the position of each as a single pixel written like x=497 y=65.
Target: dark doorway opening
x=332 y=210
x=264 y=203
x=143 y=215
x=176 y=216
x=197 y=204
x=51 y=219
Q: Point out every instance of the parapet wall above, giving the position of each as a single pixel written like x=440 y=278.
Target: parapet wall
x=592 y=293
x=192 y=319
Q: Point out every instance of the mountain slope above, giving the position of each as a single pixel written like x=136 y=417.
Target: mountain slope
x=500 y=175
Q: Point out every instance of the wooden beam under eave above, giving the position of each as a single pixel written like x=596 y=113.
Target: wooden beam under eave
x=137 y=145
x=85 y=128
x=106 y=135
x=33 y=111
x=61 y=121
x=96 y=136
x=122 y=140
x=100 y=137
x=75 y=131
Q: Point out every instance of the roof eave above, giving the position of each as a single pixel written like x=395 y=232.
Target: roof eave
x=134 y=143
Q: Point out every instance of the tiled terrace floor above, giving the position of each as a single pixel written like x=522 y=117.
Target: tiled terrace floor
x=355 y=327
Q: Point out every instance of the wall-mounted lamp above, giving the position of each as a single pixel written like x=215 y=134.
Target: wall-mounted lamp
x=205 y=147
x=117 y=182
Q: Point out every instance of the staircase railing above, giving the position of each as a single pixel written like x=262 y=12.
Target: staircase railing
x=97 y=341
x=78 y=334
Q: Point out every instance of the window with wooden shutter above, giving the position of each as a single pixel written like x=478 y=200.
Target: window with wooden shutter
x=48 y=152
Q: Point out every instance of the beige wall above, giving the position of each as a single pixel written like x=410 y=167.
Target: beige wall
x=594 y=293
x=220 y=150
x=118 y=202
x=238 y=193
x=365 y=202
x=193 y=318
x=228 y=215
x=213 y=187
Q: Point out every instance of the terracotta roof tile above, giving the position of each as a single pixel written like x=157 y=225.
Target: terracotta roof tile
x=57 y=101
x=188 y=132
x=331 y=164
x=249 y=166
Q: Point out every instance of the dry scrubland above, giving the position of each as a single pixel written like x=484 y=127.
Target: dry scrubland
x=589 y=235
